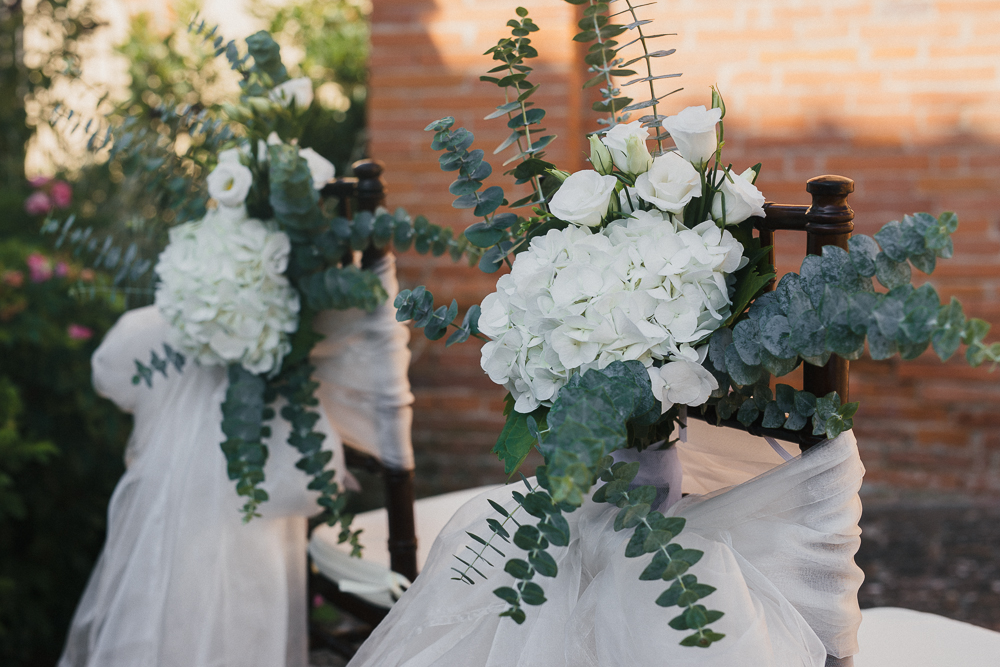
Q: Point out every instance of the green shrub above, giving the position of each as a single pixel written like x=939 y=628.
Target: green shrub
x=60 y=451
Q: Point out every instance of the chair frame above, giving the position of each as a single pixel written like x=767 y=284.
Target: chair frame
x=828 y=220
x=366 y=192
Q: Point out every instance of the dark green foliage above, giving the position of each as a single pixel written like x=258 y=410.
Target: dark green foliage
x=518 y=436
x=243 y=417
x=830 y=307
x=60 y=456
x=653 y=534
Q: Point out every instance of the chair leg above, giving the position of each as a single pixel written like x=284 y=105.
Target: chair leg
x=402 y=526
x=839 y=662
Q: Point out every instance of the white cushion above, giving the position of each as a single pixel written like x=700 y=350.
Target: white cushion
x=369 y=577
x=893 y=637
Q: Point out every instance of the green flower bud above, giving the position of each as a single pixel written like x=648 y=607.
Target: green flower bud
x=600 y=156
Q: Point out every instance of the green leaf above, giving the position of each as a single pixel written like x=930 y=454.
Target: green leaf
x=532 y=593
x=515 y=441
x=890 y=238
x=519 y=569
x=543 y=563
x=483 y=235
x=891 y=273
x=747 y=341
x=863 y=251
x=921 y=308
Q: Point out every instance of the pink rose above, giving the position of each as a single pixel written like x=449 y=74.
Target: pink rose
x=78 y=332
x=62 y=194
x=62 y=270
x=39 y=267
x=37 y=203
x=39 y=181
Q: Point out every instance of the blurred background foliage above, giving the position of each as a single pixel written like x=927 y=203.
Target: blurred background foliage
x=61 y=445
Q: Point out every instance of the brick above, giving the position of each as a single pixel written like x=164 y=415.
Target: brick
x=821 y=55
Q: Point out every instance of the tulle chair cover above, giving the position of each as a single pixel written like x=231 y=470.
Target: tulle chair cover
x=182 y=582
x=778 y=546
x=362 y=366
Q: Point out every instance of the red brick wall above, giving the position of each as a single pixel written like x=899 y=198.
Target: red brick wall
x=903 y=97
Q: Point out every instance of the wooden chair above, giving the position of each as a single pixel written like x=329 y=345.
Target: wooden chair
x=827 y=221
x=391 y=536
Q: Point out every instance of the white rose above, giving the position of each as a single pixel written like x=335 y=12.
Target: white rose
x=229 y=183
x=742 y=198
x=583 y=198
x=693 y=130
x=670 y=183
x=627 y=143
x=322 y=170
x=682 y=382
x=298 y=90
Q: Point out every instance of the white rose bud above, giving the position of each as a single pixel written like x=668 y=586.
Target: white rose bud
x=693 y=130
x=742 y=198
x=669 y=184
x=229 y=183
x=627 y=143
x=298 y=90
x=600 y=156
x=322 y=170
x=583 y=198
x=682 y=382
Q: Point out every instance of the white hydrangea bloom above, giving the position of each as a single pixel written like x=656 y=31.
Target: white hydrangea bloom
x=682 y=382
x=644 y=288
x=224 y=292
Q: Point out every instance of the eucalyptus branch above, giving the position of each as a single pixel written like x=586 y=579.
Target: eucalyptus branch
x=604 y=69
x=498 y=529
x=649 y=72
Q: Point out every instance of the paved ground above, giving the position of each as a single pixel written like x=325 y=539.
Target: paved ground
x=940 y=555
x=933 y=553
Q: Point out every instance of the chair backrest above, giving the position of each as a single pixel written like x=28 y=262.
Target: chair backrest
x=366 y=192
x=829 y=220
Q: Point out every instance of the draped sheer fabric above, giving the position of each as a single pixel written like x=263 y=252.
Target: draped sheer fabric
x=362 y=365
x=182 y=581
x=778 y=547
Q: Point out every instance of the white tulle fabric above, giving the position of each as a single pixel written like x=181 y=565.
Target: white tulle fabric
x=779 y=548
x=362 y=368
x=182 y=582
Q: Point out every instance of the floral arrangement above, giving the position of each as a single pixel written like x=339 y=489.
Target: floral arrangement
x=637 y=289
x=249 y=252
